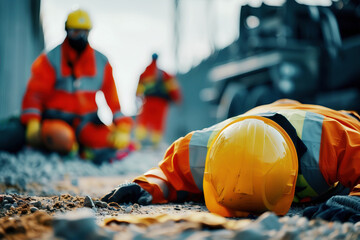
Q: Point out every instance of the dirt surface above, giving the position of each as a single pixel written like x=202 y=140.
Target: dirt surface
x=75 y=217
x=33 y=206
x=83 y=216
x=32 y=217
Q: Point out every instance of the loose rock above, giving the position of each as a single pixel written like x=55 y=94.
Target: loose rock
x=88 y=202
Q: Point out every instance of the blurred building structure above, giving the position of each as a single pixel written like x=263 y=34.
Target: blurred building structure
x=21 y=41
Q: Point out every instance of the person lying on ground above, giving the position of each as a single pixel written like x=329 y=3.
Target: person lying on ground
x=262 y=160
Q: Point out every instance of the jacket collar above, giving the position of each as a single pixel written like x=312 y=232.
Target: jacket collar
x=75 y=64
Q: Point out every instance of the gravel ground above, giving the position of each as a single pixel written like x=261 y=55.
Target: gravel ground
x=45 y=196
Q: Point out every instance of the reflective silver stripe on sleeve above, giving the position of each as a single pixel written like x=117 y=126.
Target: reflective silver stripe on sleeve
x=162 y=185
x=198 y=148
x=31 y=111
x=156 y=172
x=154 y=175
x=309 y=164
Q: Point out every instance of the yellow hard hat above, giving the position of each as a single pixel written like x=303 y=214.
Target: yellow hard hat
x=78 y=19
x=251 y=167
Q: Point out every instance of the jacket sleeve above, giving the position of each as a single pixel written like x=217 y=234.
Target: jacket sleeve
x=111 y=96
x=172 y=87
x=39 y=87
x=172 y=180
x=146 y=79
x=141 y=86
x=340 y=154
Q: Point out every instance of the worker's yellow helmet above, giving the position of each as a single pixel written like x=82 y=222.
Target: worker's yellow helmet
x=78 y=19
x=251 y=167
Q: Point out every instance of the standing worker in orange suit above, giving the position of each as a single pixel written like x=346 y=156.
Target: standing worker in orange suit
x=59 y=107
x=158 y=89
x=260 y=161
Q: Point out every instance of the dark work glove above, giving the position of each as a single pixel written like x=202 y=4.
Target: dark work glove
x=128 y=192
x=337 y=208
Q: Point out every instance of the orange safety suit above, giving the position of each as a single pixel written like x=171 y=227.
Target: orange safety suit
x=63 y=85
x=330 y=158
x=158 y=89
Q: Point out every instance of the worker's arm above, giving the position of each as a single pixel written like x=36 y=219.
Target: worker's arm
x=40 y=86
x=171 y=181
x=141 y=87
x=172 y=87
x=180 y=174
x=110 y=93
x=119 y=136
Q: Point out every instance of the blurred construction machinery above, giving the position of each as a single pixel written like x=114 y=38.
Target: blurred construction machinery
x=305 y=52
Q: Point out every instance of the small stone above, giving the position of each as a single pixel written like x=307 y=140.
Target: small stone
x=302 y=223
x=71 y=205
x=36 y=204
x=88 y=202
x=324 y=230
x=347 y=227
x=128 y=209
x=357 y=226
x=268 y=221
x=7 y=206
x=9 y=199
x=33 y=209
x=101 y=204
x=80 y=224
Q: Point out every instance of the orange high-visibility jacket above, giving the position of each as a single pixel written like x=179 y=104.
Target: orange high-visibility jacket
x=65 y=82
x=155 y=82
x=332 y=156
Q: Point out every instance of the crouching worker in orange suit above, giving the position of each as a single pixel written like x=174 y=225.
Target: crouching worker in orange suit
x=260 y=161
x=59 y=108
x=157 y=88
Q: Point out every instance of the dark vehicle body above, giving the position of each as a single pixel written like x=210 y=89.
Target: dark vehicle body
x=302 y=52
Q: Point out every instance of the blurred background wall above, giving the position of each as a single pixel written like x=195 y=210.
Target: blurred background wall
x=21 y=41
